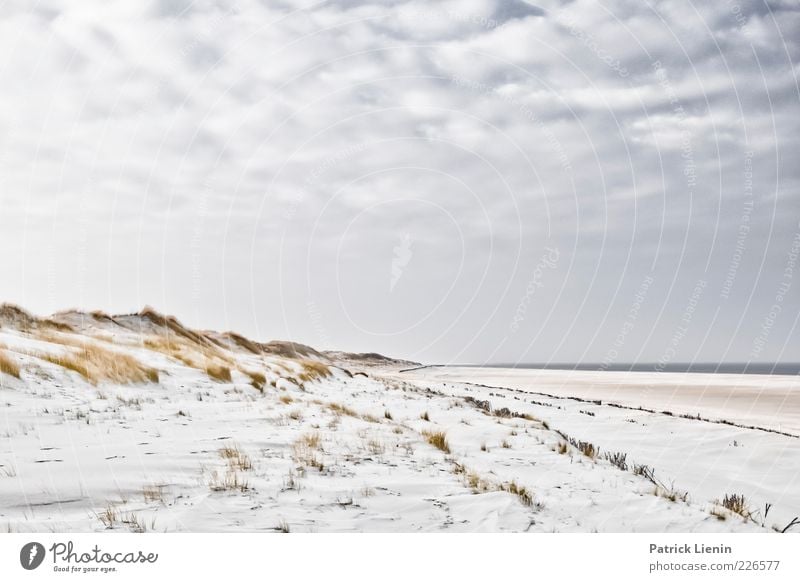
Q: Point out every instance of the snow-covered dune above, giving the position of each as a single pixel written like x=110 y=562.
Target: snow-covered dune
x=134 y=422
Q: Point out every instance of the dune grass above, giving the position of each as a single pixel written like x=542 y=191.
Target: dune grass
x=97 y=364
x=313 y=370
x=210 y=360
x=8 y=365
x=257 y=379
x=438 y=440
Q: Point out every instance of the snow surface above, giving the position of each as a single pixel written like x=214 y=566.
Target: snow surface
x=150 y=457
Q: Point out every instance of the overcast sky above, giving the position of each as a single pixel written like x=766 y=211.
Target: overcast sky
x=470 y=181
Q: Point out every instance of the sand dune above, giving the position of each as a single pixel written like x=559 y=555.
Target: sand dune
x=234 y=435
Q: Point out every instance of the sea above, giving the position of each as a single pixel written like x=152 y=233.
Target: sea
x=772 y=369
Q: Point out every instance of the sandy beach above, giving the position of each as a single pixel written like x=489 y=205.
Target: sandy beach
x=136 y=423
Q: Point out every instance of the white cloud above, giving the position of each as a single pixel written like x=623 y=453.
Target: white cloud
x=209 y=160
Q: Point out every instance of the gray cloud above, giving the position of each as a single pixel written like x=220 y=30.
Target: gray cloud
x=257 y=168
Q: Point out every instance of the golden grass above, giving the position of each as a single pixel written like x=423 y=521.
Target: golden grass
x=237 y=459
x=231 y=481
x=480 y=484
x=97 y=364
x=153 y=493
x=219 y=372
x=313 y=370
x=337 y=408
x=311 y=440
x=244 y=343
x=257 y=379
x=8 y=365
x=304 y=451
x=438 y=440
x=210 y=360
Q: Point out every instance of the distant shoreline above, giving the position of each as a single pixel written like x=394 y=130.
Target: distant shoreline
x=770 y=369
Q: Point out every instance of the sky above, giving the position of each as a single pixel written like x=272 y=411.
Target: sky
x=455 y=181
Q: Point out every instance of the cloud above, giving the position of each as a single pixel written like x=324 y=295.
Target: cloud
x=254 y=168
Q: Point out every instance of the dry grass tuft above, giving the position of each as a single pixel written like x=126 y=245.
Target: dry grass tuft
x=231 y=481
x=479 y=484
x=737 y=504
x=313 y=370
x=109 y=516
x=525 y=495
x=244 y=343
x=219 y=372
x=172 y=327
x=438 y=440
x=97 y=364
x=720 y=515
x=8 y=365
x=237 y=460
x=341 y=409
x=304 y=451
x=619 y=460
x=153 y=493
x=207 y=358
x=257 y=379
x=588 y=449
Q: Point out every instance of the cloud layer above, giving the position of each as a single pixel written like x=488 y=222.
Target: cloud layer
x=462 y=180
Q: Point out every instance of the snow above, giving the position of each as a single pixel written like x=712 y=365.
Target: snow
x=81 y=457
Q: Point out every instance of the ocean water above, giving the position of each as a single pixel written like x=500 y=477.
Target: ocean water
x=773 y=369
